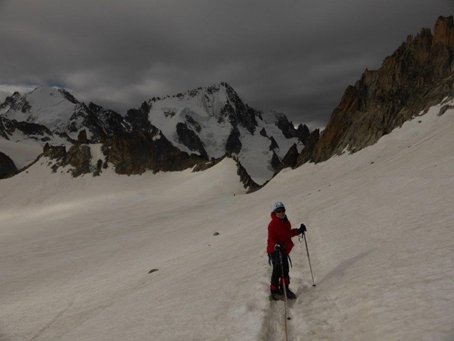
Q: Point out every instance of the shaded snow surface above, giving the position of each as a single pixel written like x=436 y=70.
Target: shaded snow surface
x=75 y=254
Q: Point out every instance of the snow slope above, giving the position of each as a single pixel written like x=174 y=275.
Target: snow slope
x=75 y=254
x=23 y=153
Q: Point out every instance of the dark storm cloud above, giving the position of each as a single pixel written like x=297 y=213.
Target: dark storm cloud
x=293 y=56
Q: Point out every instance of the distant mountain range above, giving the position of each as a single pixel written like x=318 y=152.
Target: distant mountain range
x=194 y=129
x=200 y=127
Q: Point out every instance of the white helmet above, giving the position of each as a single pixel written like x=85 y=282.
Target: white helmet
x=277 y=205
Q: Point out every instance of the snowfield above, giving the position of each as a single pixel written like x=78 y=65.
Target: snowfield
x=75 y=254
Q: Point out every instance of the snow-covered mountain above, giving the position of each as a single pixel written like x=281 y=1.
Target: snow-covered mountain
x=201 y=125
x=214 y=121
x=138 y=257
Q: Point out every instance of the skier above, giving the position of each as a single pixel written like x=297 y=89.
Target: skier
x=279 y=246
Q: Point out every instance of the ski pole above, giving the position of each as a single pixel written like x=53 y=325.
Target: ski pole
x=285 y=295
x=309 y=258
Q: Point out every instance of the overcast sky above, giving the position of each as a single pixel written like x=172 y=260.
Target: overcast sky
x=293 y=56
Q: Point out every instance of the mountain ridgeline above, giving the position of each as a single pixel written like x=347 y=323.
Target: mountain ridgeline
x=419 y=74
x=198 y=128
x=195 y=129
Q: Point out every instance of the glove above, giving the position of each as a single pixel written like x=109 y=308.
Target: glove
x=302 y=229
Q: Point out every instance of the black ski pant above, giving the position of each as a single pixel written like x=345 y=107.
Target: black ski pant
x=277 y=269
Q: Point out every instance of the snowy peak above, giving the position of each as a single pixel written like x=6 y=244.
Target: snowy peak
x=213 y=122
x=219 y=101
x=47 y=106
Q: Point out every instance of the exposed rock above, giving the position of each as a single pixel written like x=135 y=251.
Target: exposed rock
x=276 y=163
x=289 y=130
x=82 y=137
x=99 y=121
x=138 y=118
x=136 y=152
x=3 y=127
x=233 y=145
x=16 y=102
x=418 y=75
x=291 y=157
x=273 y=144
x=7 y=166
x=79 y=157
x=193 y=123
x=308 y=150
x=54 y=152
x=190 y=139
x=246 y=179
x=36 y=131
x=239 y=113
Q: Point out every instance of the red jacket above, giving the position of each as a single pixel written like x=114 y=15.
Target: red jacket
x=280 y=232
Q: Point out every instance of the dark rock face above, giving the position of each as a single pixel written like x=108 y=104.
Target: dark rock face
x=190 y=139
x=54 y=152
x=138 y=118
x=246 y=179
x=193 y=123
x=233 y=145
x=134 y=153
x=3 y=127
x=240 y=113
x=308 y=150
x=8 y=127
x=418 y=75
x=79 y=157
x=276 y=163
x=291 y=157
x=32 y=128
x=273 y=144
x=16 y=102
x=68 y=96
x=289 y=131
x=7 y=166
x=98 y=121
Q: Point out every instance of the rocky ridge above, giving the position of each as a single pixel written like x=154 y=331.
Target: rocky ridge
x=419 y=74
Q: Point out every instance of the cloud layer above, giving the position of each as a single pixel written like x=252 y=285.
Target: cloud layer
x=294 y=56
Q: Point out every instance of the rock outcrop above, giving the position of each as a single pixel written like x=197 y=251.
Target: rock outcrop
x=416 y=76
x=7 y=166
x=136 y=152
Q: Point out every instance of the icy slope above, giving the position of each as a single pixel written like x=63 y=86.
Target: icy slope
x=75 y=253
